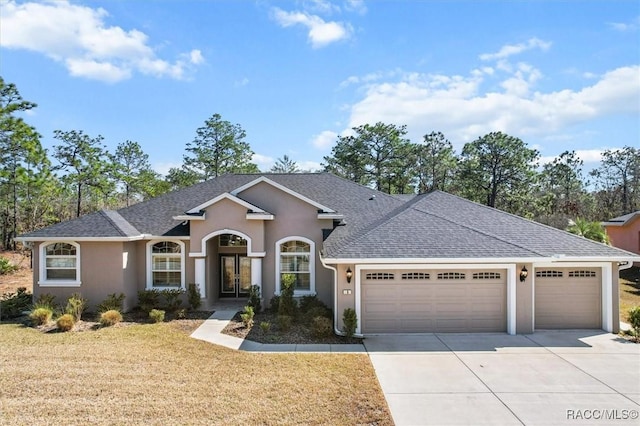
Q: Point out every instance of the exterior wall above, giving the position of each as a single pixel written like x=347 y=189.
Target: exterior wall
x=615 y=291
x=344 y=301
x=524 y=300
x=130 y=265
x=626 y=237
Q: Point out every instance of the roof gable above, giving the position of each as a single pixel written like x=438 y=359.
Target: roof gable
x=622 y=220
x=226 y=196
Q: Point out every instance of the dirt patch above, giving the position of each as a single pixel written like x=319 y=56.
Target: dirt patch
x=21 y=277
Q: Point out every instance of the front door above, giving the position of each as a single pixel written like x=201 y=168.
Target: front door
x=236 y=275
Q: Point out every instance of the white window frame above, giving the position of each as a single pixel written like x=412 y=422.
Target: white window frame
x=312 y=265
x=149 y=251
x=44 y=281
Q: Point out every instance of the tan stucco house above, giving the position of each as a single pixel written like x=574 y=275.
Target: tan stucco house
x=624 y=232
x=430 y=263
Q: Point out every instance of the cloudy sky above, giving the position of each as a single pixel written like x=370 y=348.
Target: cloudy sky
x=560 y=75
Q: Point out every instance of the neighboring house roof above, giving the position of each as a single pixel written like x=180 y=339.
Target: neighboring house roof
x=621 y=220
x=373 y=225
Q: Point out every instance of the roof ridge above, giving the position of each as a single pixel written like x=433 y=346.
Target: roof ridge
x=114 y=217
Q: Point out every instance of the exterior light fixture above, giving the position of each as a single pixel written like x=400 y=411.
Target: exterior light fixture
x=523 y=274
x=349 y=275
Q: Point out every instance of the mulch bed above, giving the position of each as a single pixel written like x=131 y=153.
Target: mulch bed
x=299 y=333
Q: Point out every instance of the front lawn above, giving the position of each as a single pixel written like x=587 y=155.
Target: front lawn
x=629 y=291
x=156 y=374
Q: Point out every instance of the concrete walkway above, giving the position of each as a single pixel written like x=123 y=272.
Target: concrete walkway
x=211 y=331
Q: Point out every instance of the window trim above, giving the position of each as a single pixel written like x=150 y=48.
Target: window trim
x=312 y=265
x=42 y=260
x=149 y=252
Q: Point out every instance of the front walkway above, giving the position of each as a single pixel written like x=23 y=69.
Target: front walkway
x=211 y=331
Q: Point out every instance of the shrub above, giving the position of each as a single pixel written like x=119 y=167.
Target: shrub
x=265 y=326
x=181 y=313
x=148 y=299
x=41 y=316
x=14 y=304
x=274 y=303
x=113 y=302
x=254 y=298
x=287 y=305
x=321 y=327
x=317 y=311
x=6 y=266
x=634 y=319
x=172 y=298
x=247 y=316
x=193 y=296
x=76 y=306
x=284 y=322
x=110 y=317
x=65 y=322
x=309 y=302
x=156 y=315
x=45 y=300
x=350 y=320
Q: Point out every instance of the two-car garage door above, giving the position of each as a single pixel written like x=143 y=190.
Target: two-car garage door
x=429 y=301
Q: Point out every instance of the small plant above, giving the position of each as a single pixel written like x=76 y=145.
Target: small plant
x=274 y=303
x=321 y=327
x=265 y=326
x=113 y=302
x=156 y=315
x=284 y=322
x=634 y=319
x=309 y=302
x=45 y=300
x=12 y=305
x=65 y=322
x=193 y=296
x=350 y=320
x=181 y=313
x=287 y=304
x=41 y=316
x=148 y=299
x=172 y=299
x=111 y=317
x=317 y=311
x=247 y=316
x=6 y=266
x=76 y=306
x=254 y=298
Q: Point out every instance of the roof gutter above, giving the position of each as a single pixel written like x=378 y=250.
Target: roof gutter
x=478 y=260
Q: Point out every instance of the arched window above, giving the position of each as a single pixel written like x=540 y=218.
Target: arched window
x=295 y=256
x=166 y=266
x=60 y=264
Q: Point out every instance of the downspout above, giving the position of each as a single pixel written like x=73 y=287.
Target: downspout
x=335 y=295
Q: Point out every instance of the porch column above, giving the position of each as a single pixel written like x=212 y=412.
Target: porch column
x=200 y=275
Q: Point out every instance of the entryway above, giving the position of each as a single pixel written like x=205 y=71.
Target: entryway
x=235 y=275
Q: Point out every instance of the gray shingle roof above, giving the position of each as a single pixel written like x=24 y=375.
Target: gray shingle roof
x=100 y=224
x=622 y=220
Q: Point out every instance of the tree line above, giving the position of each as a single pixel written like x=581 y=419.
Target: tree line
x=80 y=175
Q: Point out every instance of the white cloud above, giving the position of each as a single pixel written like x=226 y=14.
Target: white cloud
x=321 y=33
x=309 y=166
x=325 y=139
x=242 y=82
x=588 y=156
x=633 y=25
x=79 y=37
x=356 y=6
x=264 y=162
x=514 y=49
x=163 y=168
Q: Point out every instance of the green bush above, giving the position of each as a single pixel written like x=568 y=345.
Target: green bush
x=309 y=302
x=321 y=327
x=76 y=306
x=148 y=300
x=172 y=299
x=12 y=305
x=156 y=315
x=247 y=316
x=350 y=320
x=634 y=319
x=113 y=302
x=265 y=326
x=6 y=266
x=181 y=313
x=288 y=305
x=274 y=304
x=111 y=317
x=254 y=298
x=193 y=296
x=317 y=311
x=65 y=322
x=284 y=322
x=45 y=300
x=41 y=316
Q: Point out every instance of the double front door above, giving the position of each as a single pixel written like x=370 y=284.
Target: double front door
x=236 y=275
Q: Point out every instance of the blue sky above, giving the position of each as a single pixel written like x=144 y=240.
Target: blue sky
x=560 y=75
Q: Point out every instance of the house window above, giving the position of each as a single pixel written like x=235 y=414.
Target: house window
x=60 y=264
x=582 y=274
x=295 y=256
x=548 y=274
x=379 y=276
x=451 y=276
x=230 y=240
x=486 y=275
x=166 y=268
x=415 y=276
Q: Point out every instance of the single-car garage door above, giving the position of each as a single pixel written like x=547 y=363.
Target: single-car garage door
x=430 y=301
x=568 y=298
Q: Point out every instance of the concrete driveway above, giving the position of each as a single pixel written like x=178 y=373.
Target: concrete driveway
x=573 y=377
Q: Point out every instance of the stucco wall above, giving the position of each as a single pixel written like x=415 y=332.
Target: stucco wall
x=524 y=300
x=626 y=237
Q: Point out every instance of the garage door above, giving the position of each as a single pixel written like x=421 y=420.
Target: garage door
x=411 y=301
x=568 y=298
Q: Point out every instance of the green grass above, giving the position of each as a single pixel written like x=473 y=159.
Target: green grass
x=629 y=291
x=156 y=374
